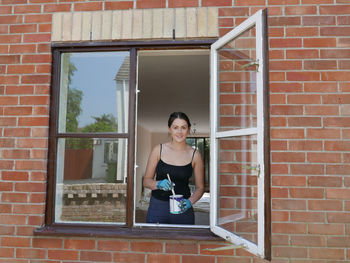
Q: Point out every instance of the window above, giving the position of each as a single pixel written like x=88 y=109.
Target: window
x=97 y=117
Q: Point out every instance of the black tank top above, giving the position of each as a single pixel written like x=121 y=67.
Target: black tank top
x=179 y=174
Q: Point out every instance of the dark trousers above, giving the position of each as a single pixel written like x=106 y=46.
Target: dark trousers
x=159 y=212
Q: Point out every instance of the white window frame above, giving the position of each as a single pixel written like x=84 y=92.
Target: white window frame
x=262 y=248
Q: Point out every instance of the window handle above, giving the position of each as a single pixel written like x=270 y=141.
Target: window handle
x=253 y=63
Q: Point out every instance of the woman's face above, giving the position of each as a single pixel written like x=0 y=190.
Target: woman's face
x=179 y=130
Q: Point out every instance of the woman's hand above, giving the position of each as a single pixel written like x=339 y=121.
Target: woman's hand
x=164 y=185
x=185 y=204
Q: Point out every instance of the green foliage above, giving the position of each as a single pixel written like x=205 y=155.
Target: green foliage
x=104 y=123
x=73 y=109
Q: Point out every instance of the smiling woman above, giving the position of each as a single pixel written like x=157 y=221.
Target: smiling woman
x=174 y=162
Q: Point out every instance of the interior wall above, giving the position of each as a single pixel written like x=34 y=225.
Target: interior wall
x=144 y=147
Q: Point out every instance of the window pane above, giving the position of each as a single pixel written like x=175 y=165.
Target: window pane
x=94 y=92
x=91 y=180
x=237 y=192
x=237 y=83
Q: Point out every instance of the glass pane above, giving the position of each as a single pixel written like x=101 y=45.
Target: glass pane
x=91 y=180
x=94 y=92
x=237 y=83
x=237 y=188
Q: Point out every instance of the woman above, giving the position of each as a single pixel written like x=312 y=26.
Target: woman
x=179 y=160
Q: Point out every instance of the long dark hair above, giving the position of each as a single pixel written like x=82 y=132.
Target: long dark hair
x=178 y=115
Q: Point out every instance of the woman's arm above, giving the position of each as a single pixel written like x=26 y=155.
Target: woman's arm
x=148 y=180
x=198 y=169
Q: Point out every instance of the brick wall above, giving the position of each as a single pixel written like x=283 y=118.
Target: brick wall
x=310 y=128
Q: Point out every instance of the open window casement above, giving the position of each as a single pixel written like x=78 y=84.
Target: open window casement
x=240 y=185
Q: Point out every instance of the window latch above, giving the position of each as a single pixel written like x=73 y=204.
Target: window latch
x=253 y=63
x=253 y=167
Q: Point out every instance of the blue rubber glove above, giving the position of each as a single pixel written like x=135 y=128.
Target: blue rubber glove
x=185 y=204
x=164 y=185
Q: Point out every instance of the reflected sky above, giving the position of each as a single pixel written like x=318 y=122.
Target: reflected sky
x=95 y=76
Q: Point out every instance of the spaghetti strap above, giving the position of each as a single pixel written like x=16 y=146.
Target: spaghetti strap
x=195 y=149
x=160 y=151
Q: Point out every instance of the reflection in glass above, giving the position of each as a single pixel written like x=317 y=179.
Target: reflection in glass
x=94 y=92
x=91 y=185
x=237 y=194
x=237 y=83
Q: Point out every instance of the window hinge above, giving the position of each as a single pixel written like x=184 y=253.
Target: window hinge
x=254 y=167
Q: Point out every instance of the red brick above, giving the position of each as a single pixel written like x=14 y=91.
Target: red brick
x=325 y=205
x=285 y=65
x=312 y=217
x=301 y=53
x=338 y=242
x=285 y=204
x=9 y=79
x=57 y=8
x=21 y=69
x=34 y=100
x=336 y=217
x=276 y=54
x=79 y=244
x=325 y=181
x=285 y=87
x=35 y=79
x=287 y=133
x=335 y=9
x=6 y=209
x=317 y=2
x=150 y=4
x=35 y=220
x=286 y=110
x=15 y=241
x=279 y=216
x=28 y=28
x=285 y=21
x=6 y=229
x=5 y=165
x=31 y=253
x=336 y=122
x=320 y=65
x=307 y=241
x=306 y=169
x=288 y=157
x=8 y=143
x=7 y=252
x=338 y=169
x=129 y=257
x=319 y=42
x=33 y=121
x=17 y=132
x=29 y=38
x=338 y=193
x=182 y=3
x=322 y=110
x=28 y=209
x=88 y=6
x=15 y=154
x=96 y=256
x=38 y=58
x=326 y=229
x=304 y=122
x=43 y=28
x=16 y=90
x=327 y=253
x=278 y=145
x=334 y=31
x=39 y=18
x=155 y=258
x=234 y=11
x=324 y=134
x=39 y=154
x=146 y=246
x=277 y=76
x=307 y=193
x=303 y=76
x=324 y=157
x=302 y=32
x=63 y=254
x=30 y=187
x=13 y=219
x=110 y=245
x=202 y=259
x=285 y=42
x=290 y=252
x=10 y=59
x=335 y=53
x=226 y=22
x=300 y=10
x=343 y=20
x=40 y=132
x=119 y=5
x=14 y=197
x=336 y=98
x=11 y=19
x=7 y=121
x=181 y=248
x=24 y=9
x=25 y=230
x=279 y=168
x=289 y=228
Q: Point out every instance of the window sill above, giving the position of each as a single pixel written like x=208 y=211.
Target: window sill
x=124 y=232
